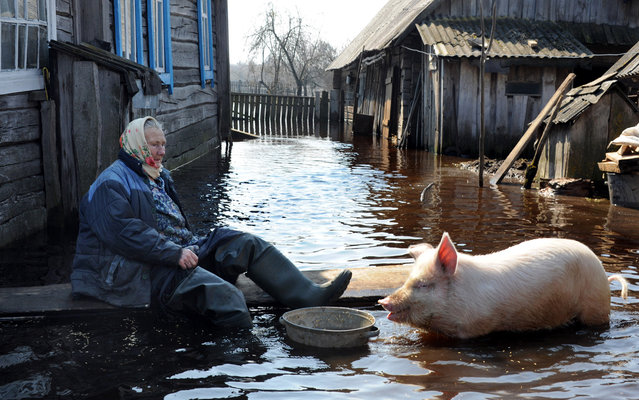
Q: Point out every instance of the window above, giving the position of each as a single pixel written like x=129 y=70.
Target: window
x=515 y=88
x=205 y=31
x=26 y=26
x=129 y=40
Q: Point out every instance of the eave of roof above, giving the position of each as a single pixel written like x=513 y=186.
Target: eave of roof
x=390 y=23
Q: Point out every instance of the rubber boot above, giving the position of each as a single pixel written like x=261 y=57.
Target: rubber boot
x=207 y=295
x=280 y=278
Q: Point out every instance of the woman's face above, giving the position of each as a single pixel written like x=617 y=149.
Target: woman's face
x=157 y=144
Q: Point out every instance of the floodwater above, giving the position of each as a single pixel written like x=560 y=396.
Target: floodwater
x=345 y=203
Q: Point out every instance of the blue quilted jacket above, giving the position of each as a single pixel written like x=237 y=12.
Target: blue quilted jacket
x=118 y=242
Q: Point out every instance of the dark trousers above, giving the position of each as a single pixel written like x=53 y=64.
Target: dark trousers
x=209 y=291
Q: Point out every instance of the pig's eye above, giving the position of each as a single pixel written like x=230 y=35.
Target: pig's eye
x=424 y=285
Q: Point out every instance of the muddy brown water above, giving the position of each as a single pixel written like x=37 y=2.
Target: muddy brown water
x=345 y=203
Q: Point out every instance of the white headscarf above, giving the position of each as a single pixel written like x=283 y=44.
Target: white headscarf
x=134 y=143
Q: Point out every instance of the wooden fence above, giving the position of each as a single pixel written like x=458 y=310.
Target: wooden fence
x=266 y=114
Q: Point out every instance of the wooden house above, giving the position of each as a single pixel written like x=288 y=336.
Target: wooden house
x=415 y=67
x=74 y=73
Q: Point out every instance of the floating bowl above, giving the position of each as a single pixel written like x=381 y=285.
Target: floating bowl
x=329 y=326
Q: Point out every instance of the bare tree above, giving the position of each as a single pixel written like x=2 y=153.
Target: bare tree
x=287 y=49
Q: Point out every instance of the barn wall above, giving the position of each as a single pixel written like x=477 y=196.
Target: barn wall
x=613 y=12
x=506 y=116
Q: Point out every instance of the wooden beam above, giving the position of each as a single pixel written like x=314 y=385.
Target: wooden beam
x=525 y=139
x=366 y=287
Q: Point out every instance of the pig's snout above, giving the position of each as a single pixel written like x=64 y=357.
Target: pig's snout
x=385 y=302
x=396 y=312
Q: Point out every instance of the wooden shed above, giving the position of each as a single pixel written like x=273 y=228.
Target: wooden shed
x=589 y=118
x=416 y=66
x=84 y=70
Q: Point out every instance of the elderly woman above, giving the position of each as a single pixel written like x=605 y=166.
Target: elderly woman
x=135 y=247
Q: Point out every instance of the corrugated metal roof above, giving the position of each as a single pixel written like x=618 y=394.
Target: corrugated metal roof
x=579 y=99
x=389 y=23
x=513 y=38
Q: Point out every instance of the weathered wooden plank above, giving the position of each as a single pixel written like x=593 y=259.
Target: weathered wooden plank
x=222 y=72
x=239 y=135
x=16 y=101
x=581 y=11
x=367 y=285
x=64 y=87
x=185 y=56
x=64 y=28
x=633 y=11
x=20 y=203
x=87 y=123
x=23 y=225
x=468 y=109
x=29 y=184
x=111 y=119
x=13 y=172
x=19 y=153
x=51 y=171
x=528 y=9
x=515 y=9
x=183 y=119
x=63 y=7
x=19 y=125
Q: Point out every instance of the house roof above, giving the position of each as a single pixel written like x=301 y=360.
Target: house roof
x=580 y=98
x=513 y=38
x=395 y=19
x=390 y=22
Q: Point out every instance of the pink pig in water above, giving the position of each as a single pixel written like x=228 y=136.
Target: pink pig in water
x=537 y=284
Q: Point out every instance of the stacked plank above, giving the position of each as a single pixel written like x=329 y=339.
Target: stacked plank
x=626 y=159
x=620 y=163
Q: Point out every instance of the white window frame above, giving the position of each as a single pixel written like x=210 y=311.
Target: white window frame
x=26 y=80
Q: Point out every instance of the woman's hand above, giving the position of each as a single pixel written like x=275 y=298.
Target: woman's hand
x=188 y=259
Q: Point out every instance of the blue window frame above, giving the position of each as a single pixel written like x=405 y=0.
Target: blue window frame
x=129 y=40
x=205 y=33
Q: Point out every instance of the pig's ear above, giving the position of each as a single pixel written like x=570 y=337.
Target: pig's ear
x=447 y=255
x=416 y=250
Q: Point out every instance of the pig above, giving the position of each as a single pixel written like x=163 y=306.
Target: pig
x=538 y=284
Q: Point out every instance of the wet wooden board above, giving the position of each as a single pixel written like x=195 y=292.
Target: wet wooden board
x=366 y=287
x=239 y=135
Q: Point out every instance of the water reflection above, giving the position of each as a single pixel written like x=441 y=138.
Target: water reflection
x=329 y=203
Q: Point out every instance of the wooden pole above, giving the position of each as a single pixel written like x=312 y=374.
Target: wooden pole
x=525 y=139
x=482 y=69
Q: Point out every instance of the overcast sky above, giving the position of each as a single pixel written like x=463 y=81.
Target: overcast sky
x=336 y=21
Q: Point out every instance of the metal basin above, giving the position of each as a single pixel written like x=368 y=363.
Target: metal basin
x=329 y=326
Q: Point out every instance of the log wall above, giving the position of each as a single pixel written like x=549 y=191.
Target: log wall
x=22 y=196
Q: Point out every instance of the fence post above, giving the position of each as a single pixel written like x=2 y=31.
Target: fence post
x=336 y=105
